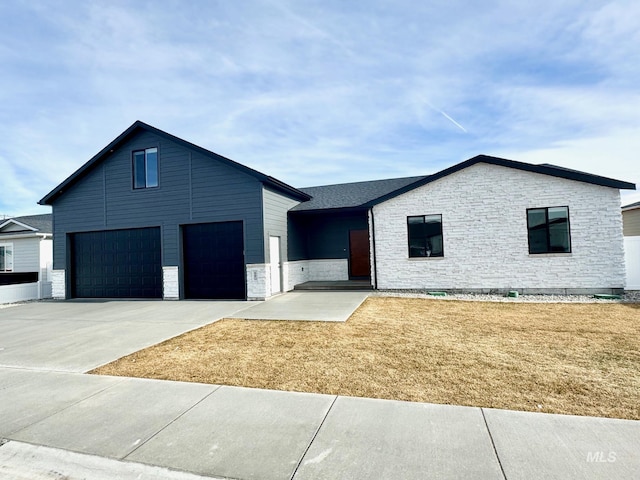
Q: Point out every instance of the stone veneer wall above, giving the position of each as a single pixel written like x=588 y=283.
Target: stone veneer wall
x=170 y=283
x=484 y=217
x=58 y=284
x=314 y=270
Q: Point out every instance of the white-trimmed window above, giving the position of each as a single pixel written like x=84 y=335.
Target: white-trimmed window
x=6 y=257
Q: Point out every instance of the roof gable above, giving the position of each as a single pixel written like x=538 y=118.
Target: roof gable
x=27 y=224
x=141 y=126
x=544 y=169
x=12 y=225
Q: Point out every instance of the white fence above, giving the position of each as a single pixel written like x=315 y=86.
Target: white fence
x=25 y=291
x=632 y=258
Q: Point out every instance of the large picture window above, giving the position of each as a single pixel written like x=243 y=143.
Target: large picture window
x=549 y=230
x=145 y=168
x=6 y=257
x=425 y=236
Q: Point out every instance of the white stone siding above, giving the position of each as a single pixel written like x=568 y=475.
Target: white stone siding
x=58 y=287
x=484 y=219
x=302 y=271
x=331 y=269
x=295 y=273
x=170 y=283
x=258 y=281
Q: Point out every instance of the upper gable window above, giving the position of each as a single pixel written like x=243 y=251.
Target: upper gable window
x=6 y=257
x=549 y=230
x=145 y=168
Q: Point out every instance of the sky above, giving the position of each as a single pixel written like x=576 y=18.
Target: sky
x=320 y=92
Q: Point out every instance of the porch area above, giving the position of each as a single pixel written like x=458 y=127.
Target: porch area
x=336 y=285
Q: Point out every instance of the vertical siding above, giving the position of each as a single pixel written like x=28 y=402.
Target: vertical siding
x=275 y=208
x=193 y=188
x=631 y=222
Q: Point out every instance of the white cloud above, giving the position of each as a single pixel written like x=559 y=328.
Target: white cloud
x=349 y=91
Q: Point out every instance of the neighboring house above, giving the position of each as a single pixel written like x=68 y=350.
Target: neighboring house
x=26 y=256
x=26 y=249
x=631 y=229
x=152 y=215
x=631 y=220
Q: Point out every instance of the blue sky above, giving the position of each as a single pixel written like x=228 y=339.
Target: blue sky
x=319 y=92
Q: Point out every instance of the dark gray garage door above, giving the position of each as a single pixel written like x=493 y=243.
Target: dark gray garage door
x=117 y=264
x=214 y=260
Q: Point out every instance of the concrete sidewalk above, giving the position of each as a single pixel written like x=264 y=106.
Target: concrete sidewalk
x=246 y=433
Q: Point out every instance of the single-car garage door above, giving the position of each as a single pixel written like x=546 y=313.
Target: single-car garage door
x=214 y=260
x=117 y=264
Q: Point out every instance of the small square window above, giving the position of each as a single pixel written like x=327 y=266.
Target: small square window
x=145 y=168
x=425 y=236
x=549 y=230
x=6 y=257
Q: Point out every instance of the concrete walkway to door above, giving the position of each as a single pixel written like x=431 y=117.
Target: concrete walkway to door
x=329 y=306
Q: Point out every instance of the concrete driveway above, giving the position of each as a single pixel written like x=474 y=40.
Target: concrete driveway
x=78 y=336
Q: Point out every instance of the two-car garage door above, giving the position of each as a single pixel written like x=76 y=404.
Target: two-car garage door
x=117 y=264
x=128 y=263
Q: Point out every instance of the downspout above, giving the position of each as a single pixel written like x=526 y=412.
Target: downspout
x=373 y=245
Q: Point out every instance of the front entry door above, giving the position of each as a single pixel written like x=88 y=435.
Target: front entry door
x=276 y=265
x=359 y=252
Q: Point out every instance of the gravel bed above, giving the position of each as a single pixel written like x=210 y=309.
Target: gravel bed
x=627 y=297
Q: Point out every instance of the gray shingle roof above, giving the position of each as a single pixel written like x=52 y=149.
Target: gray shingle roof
x=42 y=223
x=631 y=206
x=350 y=195
x=367 y=194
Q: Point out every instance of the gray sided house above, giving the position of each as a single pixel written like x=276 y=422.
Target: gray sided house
x=154 y=216
x=25 y=249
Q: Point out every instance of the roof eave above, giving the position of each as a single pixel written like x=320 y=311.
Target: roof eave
x=316 y=211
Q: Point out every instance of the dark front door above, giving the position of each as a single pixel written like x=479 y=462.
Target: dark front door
x=214 y=260
x=359 y=262
x=117 y=264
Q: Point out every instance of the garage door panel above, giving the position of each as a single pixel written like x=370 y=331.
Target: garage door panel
x=214 y=260
x=117 y=264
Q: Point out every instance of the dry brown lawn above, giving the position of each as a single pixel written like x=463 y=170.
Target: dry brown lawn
x=581 y=359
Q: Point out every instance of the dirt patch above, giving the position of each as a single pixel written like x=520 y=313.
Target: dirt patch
x=581 y=359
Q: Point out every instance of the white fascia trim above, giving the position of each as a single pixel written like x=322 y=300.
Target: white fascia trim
x=8 y=236
x=20 y=224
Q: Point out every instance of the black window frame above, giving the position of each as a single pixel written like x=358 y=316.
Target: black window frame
x=409 y=237
x=549 y=250
x=135 y=170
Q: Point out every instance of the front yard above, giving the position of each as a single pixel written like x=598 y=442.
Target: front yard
x=581 y=359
